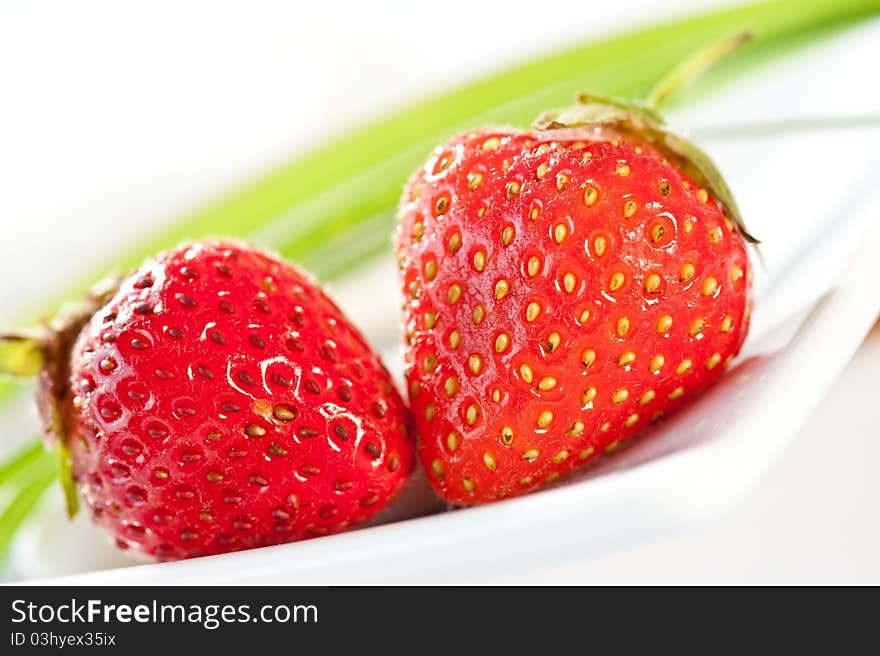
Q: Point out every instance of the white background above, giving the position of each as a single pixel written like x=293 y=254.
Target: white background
x=113 y=120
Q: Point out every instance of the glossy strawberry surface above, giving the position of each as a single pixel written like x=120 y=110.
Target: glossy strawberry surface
x=221 y=401
x=562 y=289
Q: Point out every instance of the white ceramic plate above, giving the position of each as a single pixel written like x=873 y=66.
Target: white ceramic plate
x=817 y=298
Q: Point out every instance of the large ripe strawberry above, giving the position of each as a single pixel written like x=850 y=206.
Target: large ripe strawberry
x=219 y=401
x=564 y=286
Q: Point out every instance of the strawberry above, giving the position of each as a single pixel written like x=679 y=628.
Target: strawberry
x=564 y=287
x=220 y=401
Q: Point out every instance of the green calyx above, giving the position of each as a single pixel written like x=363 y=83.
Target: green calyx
x=65 y=476
x=45 y=353
x=639 y=121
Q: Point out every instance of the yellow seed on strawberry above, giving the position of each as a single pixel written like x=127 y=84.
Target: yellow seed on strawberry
x=687 y=272
x=657 y=363
x=534 y=265
x=532 y=311
x=544 y=418
x=589 y=395
x=480 y=260
x=590 y=195
x=547 y=383
x=664 y=323
x=588 y=357
x=560 y=232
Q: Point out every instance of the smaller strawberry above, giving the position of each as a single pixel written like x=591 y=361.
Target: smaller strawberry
x=218 y=400
x=564 y=287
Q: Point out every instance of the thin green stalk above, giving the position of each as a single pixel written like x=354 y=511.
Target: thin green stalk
x=693 y=68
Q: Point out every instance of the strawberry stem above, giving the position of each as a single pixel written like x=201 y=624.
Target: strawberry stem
x=21 y=354
x=694 y=67
x=24 y=353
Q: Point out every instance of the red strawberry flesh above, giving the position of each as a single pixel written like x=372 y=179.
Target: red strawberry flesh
x=562 y=289
x=221 y=401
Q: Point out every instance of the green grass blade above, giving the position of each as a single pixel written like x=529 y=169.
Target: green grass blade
x=22 y=460
x=373 y=162
x=24 y=502
x=23 y=479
